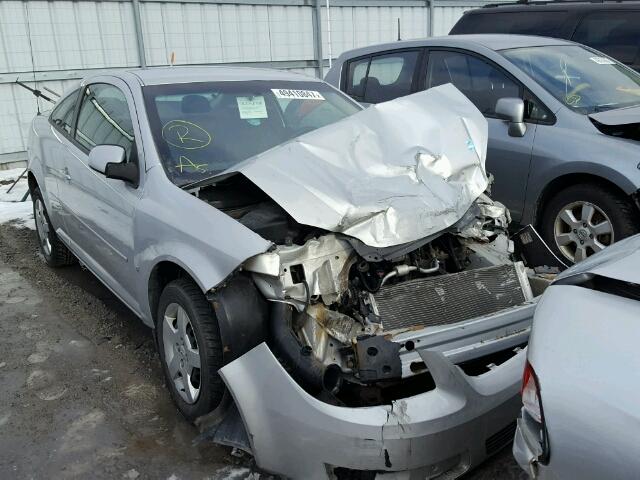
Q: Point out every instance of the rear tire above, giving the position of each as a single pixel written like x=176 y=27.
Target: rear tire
x=583 y=219
x=190 y=349
x=55 y=253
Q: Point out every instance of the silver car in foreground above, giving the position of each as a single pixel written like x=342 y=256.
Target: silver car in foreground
x=329 y=287
x=580 y=388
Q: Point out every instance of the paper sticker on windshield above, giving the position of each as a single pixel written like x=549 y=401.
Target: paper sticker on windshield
x=252 y=107
x=602 y=60
x=297 y=94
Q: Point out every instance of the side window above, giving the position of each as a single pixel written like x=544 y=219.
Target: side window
x=356 y=77
x=614 y=33
x=382 y=77
x=62 y=115
x=481 y=82
x=525 y=22
x=104 y=118
x=534 y=111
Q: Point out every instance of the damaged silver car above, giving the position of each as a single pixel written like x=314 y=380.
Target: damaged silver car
x=330 y=287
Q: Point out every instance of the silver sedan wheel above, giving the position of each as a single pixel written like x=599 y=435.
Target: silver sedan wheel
x=582 y=229
x=42 y=227
x=181 y=352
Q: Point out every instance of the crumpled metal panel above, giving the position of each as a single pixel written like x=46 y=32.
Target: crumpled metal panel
x=393 y=173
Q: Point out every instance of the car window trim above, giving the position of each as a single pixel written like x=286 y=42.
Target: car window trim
x=344 y=81
x=134 y=150
x=522 y=87
x=73 y=118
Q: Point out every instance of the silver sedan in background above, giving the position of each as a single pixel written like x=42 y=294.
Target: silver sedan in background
x=580 y=388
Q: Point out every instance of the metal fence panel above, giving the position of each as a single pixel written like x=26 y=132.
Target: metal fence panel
x=353 y=27
x=62 y=40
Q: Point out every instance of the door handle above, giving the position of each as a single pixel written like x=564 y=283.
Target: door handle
x=67 y=177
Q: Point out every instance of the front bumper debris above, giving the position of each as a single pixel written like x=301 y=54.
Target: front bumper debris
x=445 y=430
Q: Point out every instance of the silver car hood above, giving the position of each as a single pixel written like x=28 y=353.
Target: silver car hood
x=620 y=261
x=391 y=174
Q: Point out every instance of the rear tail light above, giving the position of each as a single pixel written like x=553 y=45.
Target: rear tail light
x=531 y=393
x=532 y=402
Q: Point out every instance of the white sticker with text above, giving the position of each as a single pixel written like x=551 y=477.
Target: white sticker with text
x=602 y=60
x=297 y=94
x=252 y=107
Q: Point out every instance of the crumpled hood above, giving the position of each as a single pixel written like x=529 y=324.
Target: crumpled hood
x=391 y=174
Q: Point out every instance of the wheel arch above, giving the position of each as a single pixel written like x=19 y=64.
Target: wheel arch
x=567 y=180
x=164 y=272
x=32 y=182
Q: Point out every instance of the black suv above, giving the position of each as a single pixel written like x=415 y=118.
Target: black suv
x=612 y=28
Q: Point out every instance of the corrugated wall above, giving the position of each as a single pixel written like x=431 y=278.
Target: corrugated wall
x=62 y=40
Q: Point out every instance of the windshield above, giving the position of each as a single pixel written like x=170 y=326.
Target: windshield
x=582 y=79
x=201 y=129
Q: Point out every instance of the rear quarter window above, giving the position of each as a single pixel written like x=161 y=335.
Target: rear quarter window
x=531 y=22
x=382 y=77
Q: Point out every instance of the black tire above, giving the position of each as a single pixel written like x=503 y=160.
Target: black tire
x=58 y=255
x=188 y=295
x=620 y=210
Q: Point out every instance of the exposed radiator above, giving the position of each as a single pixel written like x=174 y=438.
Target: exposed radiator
x=451 y=298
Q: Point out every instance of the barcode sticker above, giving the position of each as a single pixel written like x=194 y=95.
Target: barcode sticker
x=297 y=94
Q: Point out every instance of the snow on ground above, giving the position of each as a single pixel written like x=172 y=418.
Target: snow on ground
x=12 y=210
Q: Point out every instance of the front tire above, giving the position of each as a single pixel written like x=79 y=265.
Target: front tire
x=55 y=253
x=583 y=219
x=190 y=349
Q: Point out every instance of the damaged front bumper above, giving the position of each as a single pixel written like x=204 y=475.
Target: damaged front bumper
x=446 y=430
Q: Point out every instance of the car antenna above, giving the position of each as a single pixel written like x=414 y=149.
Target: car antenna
x=37 y=93
x=399 y=29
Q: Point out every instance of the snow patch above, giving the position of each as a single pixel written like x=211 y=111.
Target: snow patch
x=12 y=210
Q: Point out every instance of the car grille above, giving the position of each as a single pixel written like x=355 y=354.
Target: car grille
x=500 y=439
x=451 y=298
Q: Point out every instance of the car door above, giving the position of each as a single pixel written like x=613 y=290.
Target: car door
x=101 y=210
x=55 y=152
x=484 y=83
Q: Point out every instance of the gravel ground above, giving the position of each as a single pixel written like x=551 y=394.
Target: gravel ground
x=82 y=391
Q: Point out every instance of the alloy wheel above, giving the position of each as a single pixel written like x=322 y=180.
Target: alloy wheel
x=42 y=227
x=581 y=229
x=181 y=353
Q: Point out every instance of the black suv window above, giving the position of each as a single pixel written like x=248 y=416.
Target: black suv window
x=104 y=118
x=62 y=115
x=615 y=33
x=530 y=22
x=382 y=77
x=481 y=82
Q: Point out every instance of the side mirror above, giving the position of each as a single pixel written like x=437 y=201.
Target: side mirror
x=512 y=110
x=110 y=160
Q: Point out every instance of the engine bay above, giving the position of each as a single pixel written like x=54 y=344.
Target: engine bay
x=336 y=303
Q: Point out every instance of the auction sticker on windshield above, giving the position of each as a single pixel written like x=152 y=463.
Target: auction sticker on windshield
x=602 y=60
x=297 y=94
x=252 y=107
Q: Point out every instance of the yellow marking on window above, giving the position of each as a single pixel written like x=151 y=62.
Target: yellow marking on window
x=185 y=135
x=198 y=167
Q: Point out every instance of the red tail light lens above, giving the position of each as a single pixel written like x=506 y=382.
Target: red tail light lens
x=531 y=393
